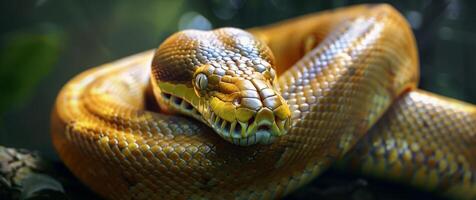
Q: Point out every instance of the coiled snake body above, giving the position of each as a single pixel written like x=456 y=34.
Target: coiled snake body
x=347 y=86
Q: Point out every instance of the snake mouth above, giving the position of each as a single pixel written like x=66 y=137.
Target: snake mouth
x=237 y=132
x=179 y=104
x=244 y=133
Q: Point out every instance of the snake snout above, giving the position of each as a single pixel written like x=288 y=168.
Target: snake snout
x=268 y=124
x=259 y=125
x=247 y=112
x=261 y=113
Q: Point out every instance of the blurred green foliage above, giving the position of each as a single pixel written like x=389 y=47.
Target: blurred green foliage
x=25 y=59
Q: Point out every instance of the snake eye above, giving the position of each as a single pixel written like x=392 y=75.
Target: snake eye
x=201 y=81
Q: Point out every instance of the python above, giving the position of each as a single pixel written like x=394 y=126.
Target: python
x=256 y=114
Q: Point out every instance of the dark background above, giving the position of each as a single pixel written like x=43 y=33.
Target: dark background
x=44 y=43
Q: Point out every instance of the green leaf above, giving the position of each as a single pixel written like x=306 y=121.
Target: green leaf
x=25 y=58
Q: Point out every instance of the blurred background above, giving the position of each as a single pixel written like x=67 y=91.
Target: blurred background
x=44 y=43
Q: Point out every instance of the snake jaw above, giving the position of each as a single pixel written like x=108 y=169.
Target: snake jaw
x=252 y=121
x=263 y=128
x=244 y=134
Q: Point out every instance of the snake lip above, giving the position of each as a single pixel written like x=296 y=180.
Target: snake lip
x=233 y=131
x=180 y=104
x=237 y=132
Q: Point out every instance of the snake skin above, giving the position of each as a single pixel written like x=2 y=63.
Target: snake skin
x=339 y=71
x=425 y=140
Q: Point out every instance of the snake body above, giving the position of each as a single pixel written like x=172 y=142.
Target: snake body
x=346 y=93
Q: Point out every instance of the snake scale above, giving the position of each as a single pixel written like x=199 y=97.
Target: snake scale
x=226 y=127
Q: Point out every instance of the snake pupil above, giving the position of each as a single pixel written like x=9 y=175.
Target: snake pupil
x=201 y=81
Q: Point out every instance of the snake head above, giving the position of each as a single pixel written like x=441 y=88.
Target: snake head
x=225 y=78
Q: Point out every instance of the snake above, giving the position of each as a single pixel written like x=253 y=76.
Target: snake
x=258 y=113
